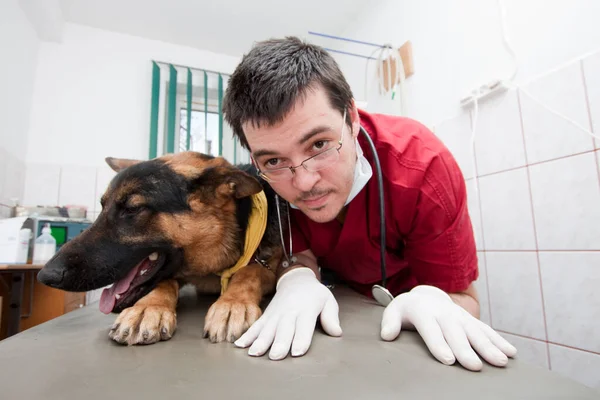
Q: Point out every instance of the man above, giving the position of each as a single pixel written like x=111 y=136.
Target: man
x=291 y=107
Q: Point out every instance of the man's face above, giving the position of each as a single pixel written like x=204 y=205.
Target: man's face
x=309 y=128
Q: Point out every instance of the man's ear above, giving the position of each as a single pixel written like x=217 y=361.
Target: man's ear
x=240 y=184
x=355 y=119
x=119 y=164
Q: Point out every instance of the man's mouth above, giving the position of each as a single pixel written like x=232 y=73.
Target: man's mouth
x=125 y=288
x=317 y=201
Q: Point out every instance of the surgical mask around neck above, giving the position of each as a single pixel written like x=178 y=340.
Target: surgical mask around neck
x=362 y=173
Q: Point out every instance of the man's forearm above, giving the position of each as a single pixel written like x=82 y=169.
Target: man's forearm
x=467 y=299
x=467 y=302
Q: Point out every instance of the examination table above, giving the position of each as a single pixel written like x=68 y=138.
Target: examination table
x=71 y=357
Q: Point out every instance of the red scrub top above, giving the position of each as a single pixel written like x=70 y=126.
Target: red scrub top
x=429 y=236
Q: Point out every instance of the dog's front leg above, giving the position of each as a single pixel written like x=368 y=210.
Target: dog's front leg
x=239 y=307
x=151 y=319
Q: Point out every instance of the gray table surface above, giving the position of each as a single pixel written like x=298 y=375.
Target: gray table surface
x=71 y=357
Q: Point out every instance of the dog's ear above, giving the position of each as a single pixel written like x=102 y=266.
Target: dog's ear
x=219 y=185
x=119 y=164
x=239 y=184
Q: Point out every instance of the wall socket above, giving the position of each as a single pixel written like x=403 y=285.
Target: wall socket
x=484 y=91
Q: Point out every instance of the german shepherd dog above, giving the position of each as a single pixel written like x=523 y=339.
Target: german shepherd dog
x=173 y=220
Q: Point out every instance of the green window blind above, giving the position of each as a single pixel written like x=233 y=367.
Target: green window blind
x=186 y=113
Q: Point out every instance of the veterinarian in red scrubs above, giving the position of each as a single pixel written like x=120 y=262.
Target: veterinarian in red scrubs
x=290 y=105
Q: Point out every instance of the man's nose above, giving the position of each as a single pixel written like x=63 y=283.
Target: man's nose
x=305 y=180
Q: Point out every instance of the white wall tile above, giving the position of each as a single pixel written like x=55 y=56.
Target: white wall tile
x=14 y=184
x=578 y=365
x=92 y=216
x=93 y=296
x=77 y=186
x=529 y=351
x=499 y=137
x=12 y=179
x=591 y=68
x=548 y=136
x=482 y=291
x=4 y=211
x=566 y=200
x=3 y=166
x=456 y=135
x=104 y=175
x=41 y=185
x=506 y=211
x=474 y=212
x=515 y=294
x=571 y=283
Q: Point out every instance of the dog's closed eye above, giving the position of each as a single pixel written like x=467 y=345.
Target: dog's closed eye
x=133 y=210
x=134 y=205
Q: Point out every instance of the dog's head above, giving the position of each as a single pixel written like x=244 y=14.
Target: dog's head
x=176 y=214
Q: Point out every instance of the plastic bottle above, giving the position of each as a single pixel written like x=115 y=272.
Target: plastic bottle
x=23 y=245
x=45 y=246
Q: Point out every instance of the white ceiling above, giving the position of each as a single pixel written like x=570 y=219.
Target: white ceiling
x=223 y=26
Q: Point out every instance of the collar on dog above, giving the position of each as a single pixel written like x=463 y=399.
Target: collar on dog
x=257 y=224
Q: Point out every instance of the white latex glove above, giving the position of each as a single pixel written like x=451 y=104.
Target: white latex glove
x=290 y=318
x=449 y=331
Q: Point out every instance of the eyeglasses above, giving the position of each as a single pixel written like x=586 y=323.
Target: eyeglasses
x=315 y=163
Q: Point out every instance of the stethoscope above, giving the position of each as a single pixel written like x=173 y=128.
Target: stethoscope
x=379 y=292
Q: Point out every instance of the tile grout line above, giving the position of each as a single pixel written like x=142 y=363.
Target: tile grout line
x=549 y=342
x=541 y=251
x=60 y=170
x=96 y=190
x=590 y=118
x=587 y=104
x=487 y=281
x=535 y=235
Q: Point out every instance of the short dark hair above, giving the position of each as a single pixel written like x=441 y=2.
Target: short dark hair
x=273 y=76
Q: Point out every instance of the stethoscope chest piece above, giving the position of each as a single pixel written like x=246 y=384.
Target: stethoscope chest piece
x=382 y=295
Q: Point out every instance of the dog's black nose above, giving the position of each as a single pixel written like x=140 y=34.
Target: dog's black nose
x=51 y=275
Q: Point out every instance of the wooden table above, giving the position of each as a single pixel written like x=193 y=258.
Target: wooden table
x=17 y=274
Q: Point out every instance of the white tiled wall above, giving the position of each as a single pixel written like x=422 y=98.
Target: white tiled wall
x=12 y=173
x=500 y=143
x=456 y=134
x=63 y=185
x=482 y=290
x=571 y=298
x=77 y=186
x=566 y=200
x=591 y=72
x=536 y=216
x=42 y=183
x=515 y=296
x=506 y=211
x=548 y=136
x=579 y=365
x=533 y=352
x=475 y=211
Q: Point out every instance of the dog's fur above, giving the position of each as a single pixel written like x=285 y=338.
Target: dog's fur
x=193 y=210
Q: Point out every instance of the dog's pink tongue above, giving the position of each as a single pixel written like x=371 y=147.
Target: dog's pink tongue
x=107 y=300
x=108 y=297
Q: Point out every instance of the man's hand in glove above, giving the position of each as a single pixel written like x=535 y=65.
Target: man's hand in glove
x=289 y=320
x=450 y=332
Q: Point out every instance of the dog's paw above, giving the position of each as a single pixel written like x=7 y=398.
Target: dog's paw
x=143 y=325
x=227 y=319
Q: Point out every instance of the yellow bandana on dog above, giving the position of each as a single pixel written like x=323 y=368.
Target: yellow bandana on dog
x=257 y=224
